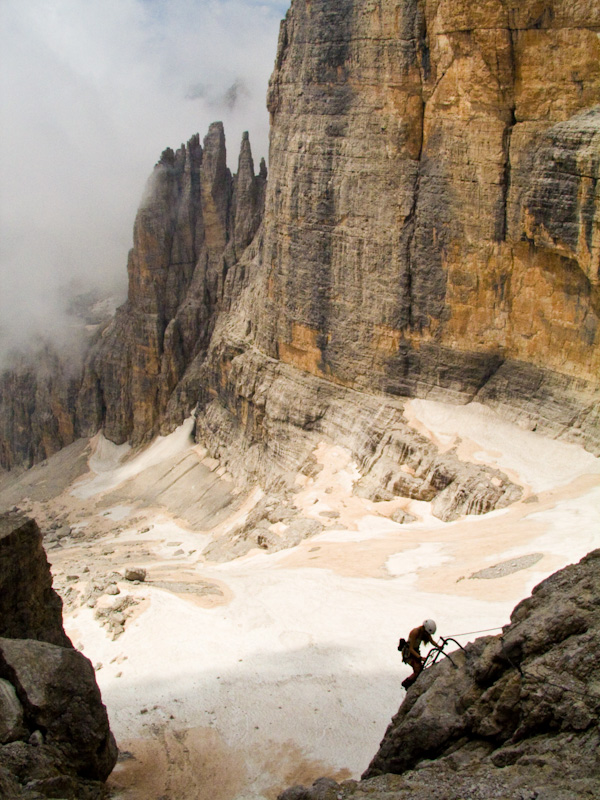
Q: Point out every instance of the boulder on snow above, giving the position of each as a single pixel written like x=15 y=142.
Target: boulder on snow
x=135 y=574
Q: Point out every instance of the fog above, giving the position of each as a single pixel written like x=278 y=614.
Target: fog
x=90 y=95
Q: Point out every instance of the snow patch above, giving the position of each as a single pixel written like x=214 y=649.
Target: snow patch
x=108 y=477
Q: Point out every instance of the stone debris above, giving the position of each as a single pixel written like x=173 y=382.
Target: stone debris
x=135 y=574
x=507 y=567
x=114 y=617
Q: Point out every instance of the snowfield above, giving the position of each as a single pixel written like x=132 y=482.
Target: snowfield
x=235 y=679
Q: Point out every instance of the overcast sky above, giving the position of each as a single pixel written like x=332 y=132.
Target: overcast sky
x=91 y=92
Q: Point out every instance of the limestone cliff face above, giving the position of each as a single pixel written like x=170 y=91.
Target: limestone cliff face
x=192 y=226
x=37 y=401
x=433 y=208
x=431 y=228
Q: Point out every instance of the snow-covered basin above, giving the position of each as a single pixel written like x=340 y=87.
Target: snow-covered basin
x=301 y=651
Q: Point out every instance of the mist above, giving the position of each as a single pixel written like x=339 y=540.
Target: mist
x=91 y=93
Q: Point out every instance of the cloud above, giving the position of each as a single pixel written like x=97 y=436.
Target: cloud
x=91 y=93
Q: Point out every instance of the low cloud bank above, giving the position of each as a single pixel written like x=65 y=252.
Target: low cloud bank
x=91 y=93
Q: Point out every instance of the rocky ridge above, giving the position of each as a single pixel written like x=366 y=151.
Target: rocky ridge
x=194 y=222
x=270 y=417
x=55 y=739
x=516 y=717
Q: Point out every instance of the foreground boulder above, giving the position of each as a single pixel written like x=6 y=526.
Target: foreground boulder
x=517 y=718
x=55 y=739
x=60 y=697
x=29 y=606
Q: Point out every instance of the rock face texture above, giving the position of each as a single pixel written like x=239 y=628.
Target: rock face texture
x=192 y=226
x=431 y=228
x=37 y=402
x=29 y=606
x=55 y=739
x=432 y=213
x=269 y=417
x=517 y=718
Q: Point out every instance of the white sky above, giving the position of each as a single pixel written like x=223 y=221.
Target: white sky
x=91 y=92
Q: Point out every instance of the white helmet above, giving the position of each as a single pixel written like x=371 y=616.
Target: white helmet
x=430 y=626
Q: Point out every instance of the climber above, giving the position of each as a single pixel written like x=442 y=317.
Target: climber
x=410 y=649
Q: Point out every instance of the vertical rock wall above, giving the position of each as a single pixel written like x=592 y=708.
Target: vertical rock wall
x=431 y=228
x=192 y=226
x=433 y=205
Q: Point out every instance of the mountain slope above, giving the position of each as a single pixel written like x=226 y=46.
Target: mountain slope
x=517 y=717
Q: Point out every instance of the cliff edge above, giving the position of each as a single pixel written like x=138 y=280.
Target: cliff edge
x=516 y=716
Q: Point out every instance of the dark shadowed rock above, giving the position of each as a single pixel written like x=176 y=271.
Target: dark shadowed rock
x=29 y=607
x=517 y=718
x=60 y=697
x=55 y=739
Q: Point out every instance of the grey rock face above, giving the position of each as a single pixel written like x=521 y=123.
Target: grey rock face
x=37 y=401
x=194 y=222
x=401 y=144
x=29 y=607
x=193 y=225
x=565 y=163
x=536 y=679
x=517 y=718
x=431 y=230
x=271 y=416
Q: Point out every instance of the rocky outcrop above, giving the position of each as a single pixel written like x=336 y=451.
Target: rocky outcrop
x=268 y=418
x=29 y=606
x=432 y=210
x=516 y=717
x=55 y=739
x=192 y=226
x=57 y=689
